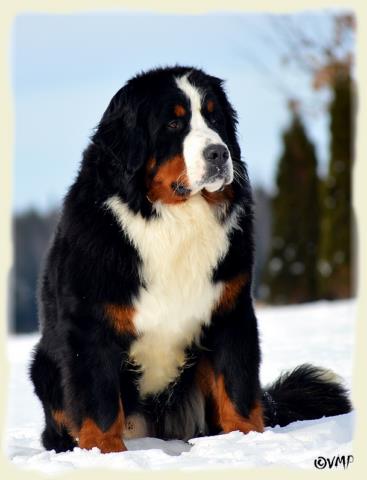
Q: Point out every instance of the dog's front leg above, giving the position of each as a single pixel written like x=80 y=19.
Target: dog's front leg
x=229 y=373
x=92 y=395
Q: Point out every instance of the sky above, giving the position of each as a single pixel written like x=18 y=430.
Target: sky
x=65 y=69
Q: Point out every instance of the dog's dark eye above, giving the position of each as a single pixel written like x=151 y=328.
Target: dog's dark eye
x=174 y=124
x=213 y=121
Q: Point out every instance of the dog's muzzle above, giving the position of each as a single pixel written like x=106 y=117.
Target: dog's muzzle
x=218 y=171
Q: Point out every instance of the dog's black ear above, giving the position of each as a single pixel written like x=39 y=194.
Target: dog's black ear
x=121 y=133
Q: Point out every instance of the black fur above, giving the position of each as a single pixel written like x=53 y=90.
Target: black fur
x=81 y=364
x=304 y=394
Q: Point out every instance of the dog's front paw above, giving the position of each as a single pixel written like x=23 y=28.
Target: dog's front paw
x=90 y=436
x=108 y=444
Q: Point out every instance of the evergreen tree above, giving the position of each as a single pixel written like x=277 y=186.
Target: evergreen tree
x=335 y=256
x=292 y=269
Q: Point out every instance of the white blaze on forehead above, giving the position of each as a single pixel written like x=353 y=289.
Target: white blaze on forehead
x=191 y=92
x=199 y=136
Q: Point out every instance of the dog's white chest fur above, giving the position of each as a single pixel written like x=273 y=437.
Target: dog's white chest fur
x=179 y=251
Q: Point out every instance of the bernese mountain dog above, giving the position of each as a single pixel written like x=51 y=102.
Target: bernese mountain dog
x=145 y=304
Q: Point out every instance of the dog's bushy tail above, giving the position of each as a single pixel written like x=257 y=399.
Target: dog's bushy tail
x=305 y=393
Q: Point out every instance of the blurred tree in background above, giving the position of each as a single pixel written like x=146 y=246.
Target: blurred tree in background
x=262 y=231
x=31 y=232
x=322 y=258
x=335 y=264
x=292 y=266
x=335 y=74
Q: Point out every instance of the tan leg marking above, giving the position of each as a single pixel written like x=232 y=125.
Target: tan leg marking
x=226 y=415
x=90 y=435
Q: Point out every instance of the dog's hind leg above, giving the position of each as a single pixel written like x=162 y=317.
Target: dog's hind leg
x=46 y=379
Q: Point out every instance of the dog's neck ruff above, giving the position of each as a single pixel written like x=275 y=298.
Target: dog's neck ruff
x=179 y=249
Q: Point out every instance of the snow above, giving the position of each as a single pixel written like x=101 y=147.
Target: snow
x=321 y=333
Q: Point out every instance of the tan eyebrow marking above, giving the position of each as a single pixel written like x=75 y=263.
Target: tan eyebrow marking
x=210 y=105
x=180 y=111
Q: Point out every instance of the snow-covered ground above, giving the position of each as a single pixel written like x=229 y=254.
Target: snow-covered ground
x=321 y=333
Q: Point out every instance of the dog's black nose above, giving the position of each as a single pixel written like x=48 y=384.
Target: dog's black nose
x=216 y=154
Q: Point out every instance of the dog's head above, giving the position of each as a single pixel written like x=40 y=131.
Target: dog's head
x=169 y=133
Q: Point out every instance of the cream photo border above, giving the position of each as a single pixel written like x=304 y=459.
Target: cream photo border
x=359 y=391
